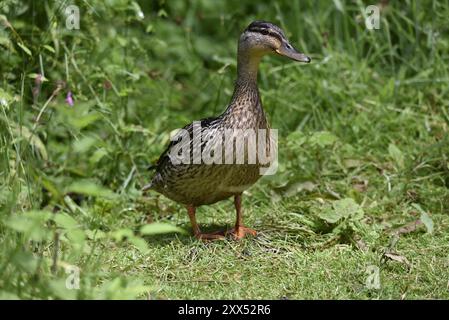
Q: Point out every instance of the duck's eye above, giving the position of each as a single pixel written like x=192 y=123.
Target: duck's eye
x=264 y=32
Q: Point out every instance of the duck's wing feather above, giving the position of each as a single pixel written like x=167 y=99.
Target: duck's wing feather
x=164 y=157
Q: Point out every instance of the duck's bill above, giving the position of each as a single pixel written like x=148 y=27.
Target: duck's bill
x=287 y=50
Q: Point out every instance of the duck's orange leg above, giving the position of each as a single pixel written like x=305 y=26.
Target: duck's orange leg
x=239 y=231
x=196 y=229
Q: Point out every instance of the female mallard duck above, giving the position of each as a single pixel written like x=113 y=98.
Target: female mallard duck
x=194 y=183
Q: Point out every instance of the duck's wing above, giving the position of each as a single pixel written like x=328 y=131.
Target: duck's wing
x=164 y=162
x=164 y=157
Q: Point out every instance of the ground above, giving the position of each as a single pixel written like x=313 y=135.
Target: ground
x=359 y=205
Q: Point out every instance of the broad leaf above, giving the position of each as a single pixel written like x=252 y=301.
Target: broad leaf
x=160 y=228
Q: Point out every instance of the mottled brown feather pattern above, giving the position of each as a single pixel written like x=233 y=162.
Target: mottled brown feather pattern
x=197 y=184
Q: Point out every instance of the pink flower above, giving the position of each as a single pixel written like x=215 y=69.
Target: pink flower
x=69 y=99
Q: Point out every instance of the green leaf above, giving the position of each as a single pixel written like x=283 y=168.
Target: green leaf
x=35 y=75
x=81 y=122
x=296 y=138
x=149 y=28
x=347 y=207
x=323 y=139
x=397 y=155
x=135 y=6
x=31 y=224
x=162 y=13
x=121 y=234
x=95 y=234
x=24 y=48
x=84 y=144
x=339 y=6
x=160 y=228
x=25 y=261
x=425 y=218
x=49 y=48
x=89 y=188
x=97 y=155
x=65 y=221
x=139 y=243
x=77 y=237
x=329 y=215
x=344 y=208
x=298 y=187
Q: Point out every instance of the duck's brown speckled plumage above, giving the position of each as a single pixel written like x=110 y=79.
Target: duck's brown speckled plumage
x=198 y=184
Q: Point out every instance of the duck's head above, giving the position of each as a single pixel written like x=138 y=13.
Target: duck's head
x=262 y=37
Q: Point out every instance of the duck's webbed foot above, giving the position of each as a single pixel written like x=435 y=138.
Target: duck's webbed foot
x=240 y=232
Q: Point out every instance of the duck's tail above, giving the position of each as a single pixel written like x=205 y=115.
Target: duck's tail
x=147 y=187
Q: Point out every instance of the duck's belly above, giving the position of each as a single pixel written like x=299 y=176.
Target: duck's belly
x=192 y=185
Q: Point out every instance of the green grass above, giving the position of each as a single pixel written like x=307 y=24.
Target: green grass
x=364 y=151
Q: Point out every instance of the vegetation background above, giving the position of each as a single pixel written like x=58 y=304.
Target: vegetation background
x=358 y=209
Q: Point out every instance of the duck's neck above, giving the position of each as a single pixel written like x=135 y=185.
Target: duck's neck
x=247 y=66
x=246 y=93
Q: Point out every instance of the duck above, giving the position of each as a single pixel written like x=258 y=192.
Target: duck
x=182 y=177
